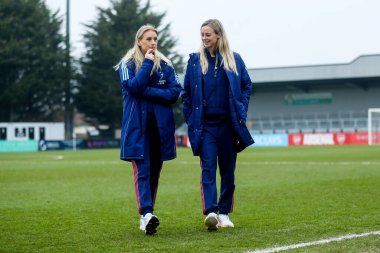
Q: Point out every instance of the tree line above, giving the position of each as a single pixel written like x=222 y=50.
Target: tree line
x=33 y=61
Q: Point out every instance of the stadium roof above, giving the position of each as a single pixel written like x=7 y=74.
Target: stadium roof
x=362 y=72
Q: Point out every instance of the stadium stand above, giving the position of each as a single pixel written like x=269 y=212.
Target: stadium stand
x=345 y=121
x=315 y=98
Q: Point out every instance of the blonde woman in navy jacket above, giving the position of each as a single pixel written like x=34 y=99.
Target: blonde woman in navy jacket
x=149 y=86
x=216 y=94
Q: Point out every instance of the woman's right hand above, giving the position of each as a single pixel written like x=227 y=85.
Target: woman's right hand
x=150 y=54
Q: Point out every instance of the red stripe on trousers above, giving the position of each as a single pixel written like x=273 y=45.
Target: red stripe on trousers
x=135 y=175
x=233 y=202
x=202 y=193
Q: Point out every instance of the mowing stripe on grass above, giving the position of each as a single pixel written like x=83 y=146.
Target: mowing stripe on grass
x=316 y=163
x=306 y=244
x=296 y=163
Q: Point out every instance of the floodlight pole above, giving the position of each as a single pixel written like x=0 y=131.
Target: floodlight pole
x=68 y=105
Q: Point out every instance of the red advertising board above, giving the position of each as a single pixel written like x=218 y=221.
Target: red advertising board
x=182 y=141
x=359 y=138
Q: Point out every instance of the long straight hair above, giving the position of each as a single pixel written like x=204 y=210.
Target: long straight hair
x=135 y=54
x=222 y=45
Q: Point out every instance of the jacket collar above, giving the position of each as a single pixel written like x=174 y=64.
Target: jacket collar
x=217 y=53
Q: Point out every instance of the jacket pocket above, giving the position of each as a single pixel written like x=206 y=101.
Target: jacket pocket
x=130 y=115
x=242 y=114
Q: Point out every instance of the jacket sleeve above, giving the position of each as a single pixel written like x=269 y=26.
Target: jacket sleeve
x=246 y=84
x=135 y=83
x=186 y=93
x=167 y=95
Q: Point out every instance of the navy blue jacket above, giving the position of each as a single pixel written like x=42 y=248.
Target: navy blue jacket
x=161 y=89
x=240 y=87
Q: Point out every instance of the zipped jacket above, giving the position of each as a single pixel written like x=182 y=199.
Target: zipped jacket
x=162 y=89
x=240 y=87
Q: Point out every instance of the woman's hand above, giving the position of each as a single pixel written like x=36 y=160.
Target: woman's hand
x=150 y=54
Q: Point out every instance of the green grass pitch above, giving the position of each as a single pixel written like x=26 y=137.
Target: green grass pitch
x=84 y=201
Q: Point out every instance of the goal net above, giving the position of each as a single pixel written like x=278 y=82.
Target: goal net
x=374 y=126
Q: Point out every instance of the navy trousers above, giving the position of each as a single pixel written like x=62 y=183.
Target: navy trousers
x=147 y=171
x=217 y=148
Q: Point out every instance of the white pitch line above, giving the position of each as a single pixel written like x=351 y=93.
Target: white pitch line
x=306 y=244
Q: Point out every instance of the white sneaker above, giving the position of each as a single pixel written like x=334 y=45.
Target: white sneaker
x=224 y=221
x=211 y=221
x=149 y=223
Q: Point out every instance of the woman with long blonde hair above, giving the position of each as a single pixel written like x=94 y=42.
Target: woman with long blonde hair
x=216 y=94
x=149 y=86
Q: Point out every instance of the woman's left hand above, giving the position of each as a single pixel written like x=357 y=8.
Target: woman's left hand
x=150 y=54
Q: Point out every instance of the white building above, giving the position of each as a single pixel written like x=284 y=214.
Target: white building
x=21 y=131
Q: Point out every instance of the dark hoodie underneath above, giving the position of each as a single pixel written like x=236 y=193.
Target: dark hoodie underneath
x=215 y=89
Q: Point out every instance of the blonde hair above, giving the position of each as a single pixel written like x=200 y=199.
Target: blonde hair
x=137 y=56
x=222 y=45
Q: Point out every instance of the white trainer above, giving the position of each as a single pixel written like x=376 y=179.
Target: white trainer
x=149 y=223
x=211 y=221
x=224 y=221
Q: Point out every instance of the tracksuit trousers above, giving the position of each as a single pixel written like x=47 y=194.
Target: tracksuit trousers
x=217 y=148
x=147 y=171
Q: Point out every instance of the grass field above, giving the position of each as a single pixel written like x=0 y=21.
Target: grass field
x=84 y=201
